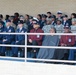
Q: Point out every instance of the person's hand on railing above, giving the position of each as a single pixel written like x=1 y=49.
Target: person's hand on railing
x=30 y=40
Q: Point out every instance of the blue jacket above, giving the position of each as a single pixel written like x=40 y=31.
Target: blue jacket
x=1 y=30
x=9 y=37
x=20 y=37
x=66 y=23
x=42 y=24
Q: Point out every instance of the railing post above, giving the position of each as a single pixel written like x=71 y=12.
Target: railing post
x=25 y=47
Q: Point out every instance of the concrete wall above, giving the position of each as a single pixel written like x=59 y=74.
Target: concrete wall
x=22 y=68
x=34 y=7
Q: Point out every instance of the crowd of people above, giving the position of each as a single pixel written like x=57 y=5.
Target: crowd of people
x=43 y=23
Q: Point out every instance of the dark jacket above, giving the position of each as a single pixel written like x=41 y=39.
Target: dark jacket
x=1 y=36
x=20 y=37
x=9 y=37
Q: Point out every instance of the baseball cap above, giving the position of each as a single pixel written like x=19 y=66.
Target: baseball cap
x=35 y=22
x=59 y=12
x=8 y=21
x=20 y=22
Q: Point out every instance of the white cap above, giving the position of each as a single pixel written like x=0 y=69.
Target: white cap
x=35 y=18
x=59 y=12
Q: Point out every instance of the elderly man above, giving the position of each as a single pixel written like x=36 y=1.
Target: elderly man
x=65 y=41
x=35 y=39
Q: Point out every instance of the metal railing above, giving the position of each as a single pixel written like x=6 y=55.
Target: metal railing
x=26 y=46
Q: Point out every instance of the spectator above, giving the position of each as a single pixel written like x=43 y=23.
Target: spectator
x=43 y=22
x=65 y=41
x=73 y=29
x=48 y=26
x=65 y=20
x=30 y=26
x=73 y=15
x=39 y=17
x=73 y=26
x=1 y=36
x=53 y=19
x=27 y=19
x=49 y=15
x=12 y=24
x=1 y=19
x=49 y=40
x=59 y=27
x=23 y=19
x=59 y=15
x=35 y=39
x=7 y=38
x=16 y=18
x=1 y=30
x=7 y=17
x=19 y=38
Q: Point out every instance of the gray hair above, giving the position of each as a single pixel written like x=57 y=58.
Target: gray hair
x=53 y=29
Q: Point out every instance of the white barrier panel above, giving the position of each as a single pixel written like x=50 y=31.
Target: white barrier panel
x=22 y=68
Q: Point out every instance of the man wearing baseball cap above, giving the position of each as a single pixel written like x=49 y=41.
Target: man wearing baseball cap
x=7 y=38
x=35 y=39
x=19 y=39
x=66 y=41
x=59 y=15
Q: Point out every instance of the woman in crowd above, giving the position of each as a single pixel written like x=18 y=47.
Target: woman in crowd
x=73 y=15
x=50 y=40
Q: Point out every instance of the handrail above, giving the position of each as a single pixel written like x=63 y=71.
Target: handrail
x=40 y=33
x=50 y=60
x=54 y=47
x=26 y=46
x=8 y=45
x=51 y=33
x=57 y=47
